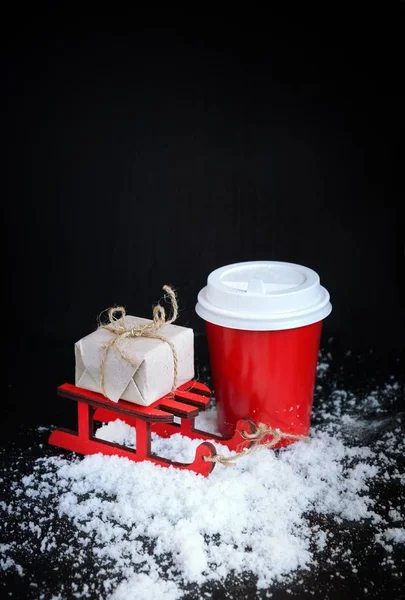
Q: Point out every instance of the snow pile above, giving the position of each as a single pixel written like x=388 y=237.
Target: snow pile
x=158 y=531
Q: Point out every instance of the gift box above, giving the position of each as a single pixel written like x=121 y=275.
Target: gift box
x=135 y=368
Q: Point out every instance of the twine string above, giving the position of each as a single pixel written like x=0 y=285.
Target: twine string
x=117 y=325
x=255 y=439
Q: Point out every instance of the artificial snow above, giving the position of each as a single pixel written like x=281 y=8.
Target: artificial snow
x=155 y=532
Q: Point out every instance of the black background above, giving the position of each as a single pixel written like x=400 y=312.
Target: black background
x=135 y=159
x=152 y=157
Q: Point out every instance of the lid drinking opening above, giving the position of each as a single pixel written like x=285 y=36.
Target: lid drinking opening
x=262 y=280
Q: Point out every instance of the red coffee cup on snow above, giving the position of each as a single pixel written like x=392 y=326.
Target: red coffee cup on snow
x=264 y=322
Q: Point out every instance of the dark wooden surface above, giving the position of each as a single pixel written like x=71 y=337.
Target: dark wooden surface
x=29 y=406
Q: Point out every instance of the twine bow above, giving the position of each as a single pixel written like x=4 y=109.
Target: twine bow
x=256 y=437
x=117 y=326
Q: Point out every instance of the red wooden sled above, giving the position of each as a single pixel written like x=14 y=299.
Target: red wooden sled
x=184 y=405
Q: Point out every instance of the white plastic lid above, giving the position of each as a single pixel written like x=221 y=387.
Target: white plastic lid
x=263 y=296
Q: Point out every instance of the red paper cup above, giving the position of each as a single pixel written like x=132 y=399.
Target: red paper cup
x=264 y=322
